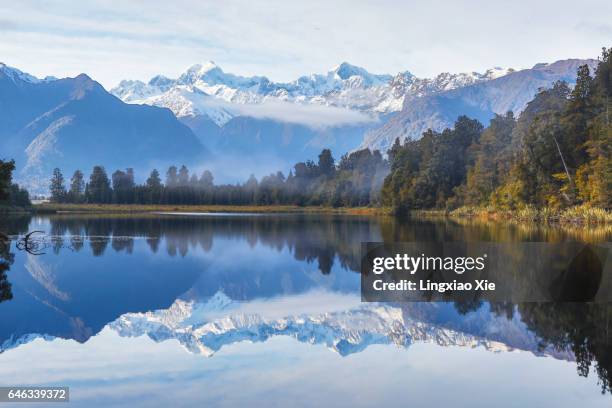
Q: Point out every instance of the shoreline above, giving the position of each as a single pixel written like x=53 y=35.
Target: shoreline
x=144 y=208
x=576 y=216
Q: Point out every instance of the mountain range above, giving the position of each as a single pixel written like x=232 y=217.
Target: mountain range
x=236 y=125
x=345 y=331
x=206 y=327
x=73 y=123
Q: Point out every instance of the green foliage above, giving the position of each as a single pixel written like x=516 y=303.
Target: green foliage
x=6 y=177
x=77 y=187
x=556 y=155
x=57 y=187
x=98 y=189
x=425 y=173
x=10 y=193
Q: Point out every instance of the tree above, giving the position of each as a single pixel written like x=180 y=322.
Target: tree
x=490 y=159
x=123 y=186
x=183 y=176
x=171 y=177
x=594 y=177
x=326 y=163
x=77 y=186
x=576 y=118
x=6 y=176
x=154 y=187
x=425 y=173
x=57 y=187
x=154 y=181
x=206 y=179
x=98 y=189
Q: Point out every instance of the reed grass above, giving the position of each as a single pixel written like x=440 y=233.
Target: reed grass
x=582 y=214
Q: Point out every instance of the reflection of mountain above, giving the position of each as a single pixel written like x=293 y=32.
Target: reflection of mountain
x=344 y=332
x=117 y=269
x=65 y=293
x=70 y=297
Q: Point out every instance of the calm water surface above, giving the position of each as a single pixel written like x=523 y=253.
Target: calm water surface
x=264 y=310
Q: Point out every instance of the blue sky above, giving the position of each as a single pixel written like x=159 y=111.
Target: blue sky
x=114 y=40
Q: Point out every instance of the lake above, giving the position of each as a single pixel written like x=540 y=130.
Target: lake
x=265 y=310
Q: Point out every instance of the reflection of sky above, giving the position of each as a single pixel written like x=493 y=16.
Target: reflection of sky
x=112 y=371
x=72 y=294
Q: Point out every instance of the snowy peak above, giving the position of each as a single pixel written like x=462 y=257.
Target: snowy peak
x=346 y=71
x=210 y=74
x=345 y=86
x=202 y=69
x=16 y=75
x=344 y=331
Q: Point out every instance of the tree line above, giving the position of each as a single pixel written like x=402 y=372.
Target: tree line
x=556 y=154
x=354 y=181
x=10 y=193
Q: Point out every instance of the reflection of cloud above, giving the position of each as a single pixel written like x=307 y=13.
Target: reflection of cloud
x=110 y=370
x=311 y=115
x=44 y=275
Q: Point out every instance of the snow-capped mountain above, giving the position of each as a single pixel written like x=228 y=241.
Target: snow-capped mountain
x=16 y=75
x=344 y=332
x=437 y=104
x=272 y=124
x=345 y=86
x=74 y=123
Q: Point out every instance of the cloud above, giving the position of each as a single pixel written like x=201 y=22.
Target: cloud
x=311 y=115
x=284 y=40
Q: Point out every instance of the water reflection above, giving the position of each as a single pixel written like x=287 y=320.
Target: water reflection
x=209 y=282
x=6 y=259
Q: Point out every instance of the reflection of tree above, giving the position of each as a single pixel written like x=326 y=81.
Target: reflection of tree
x=153 y=244
x=123 y=243
x=322 y=240
x=98 y=245
x=585 y=328
x=6 y=259
x=11 y=225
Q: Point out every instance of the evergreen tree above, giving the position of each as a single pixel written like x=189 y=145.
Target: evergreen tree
x=154 y=188
x=57 y=187
x=490 y=159
x=154 y=181
x=123 y=186
x=206 y=179
x=98 y=189
x=183 y=176
x=77 y=186
x=6 y=176
x=171 y=177
x=326 y=163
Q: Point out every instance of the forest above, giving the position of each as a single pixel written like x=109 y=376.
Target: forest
x=555 y=154
x=354 y=181
x=11 y=195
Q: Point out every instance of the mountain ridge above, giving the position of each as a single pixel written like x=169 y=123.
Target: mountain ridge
x=74 y=123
